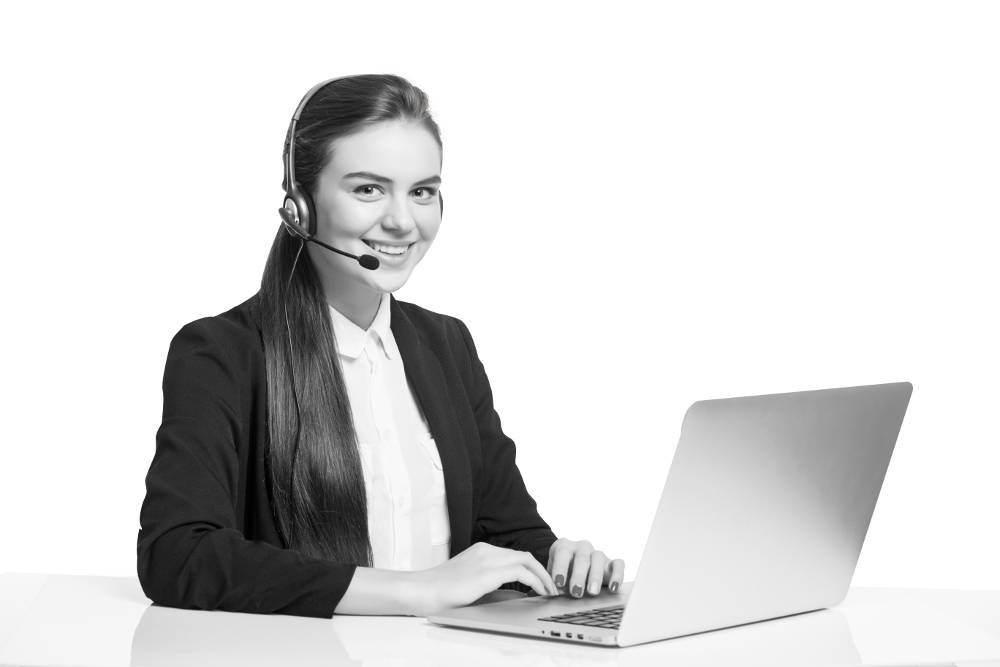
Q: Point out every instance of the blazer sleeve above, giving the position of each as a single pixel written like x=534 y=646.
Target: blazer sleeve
x=508 y=516
x=191 y=553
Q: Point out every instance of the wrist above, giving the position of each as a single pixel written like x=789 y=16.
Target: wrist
x=375 y=591
x=416 y=592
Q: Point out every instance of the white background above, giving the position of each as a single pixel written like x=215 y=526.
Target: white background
x=645 y=207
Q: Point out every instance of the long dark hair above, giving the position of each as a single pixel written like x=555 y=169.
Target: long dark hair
x=314 y=468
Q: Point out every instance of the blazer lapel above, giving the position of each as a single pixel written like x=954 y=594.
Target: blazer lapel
x=427 y=379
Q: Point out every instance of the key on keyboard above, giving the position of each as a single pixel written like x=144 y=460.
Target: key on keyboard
x=601 y=617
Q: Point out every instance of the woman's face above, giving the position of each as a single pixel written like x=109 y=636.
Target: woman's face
x=377 y=195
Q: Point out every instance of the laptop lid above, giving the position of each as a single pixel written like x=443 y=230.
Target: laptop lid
x=765 y=509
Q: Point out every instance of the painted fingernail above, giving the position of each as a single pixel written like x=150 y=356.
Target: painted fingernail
x=560 y=580
x=577 y=591
x=614 y=586
x=594 y=589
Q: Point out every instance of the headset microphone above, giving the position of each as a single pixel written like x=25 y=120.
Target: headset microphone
x=288 y=218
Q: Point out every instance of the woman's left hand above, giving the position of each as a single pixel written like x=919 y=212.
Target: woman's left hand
x=577 y=568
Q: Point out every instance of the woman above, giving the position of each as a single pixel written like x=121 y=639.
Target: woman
x=324 y=447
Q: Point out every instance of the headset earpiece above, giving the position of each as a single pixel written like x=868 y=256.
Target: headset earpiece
x=301 y=210
x=289 y=220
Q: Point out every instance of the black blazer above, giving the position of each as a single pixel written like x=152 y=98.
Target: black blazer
x=207 y=537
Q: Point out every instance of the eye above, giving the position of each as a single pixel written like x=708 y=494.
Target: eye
x=430 y=193
x=365 y=189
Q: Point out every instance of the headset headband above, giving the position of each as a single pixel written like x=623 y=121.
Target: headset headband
x=289 y=152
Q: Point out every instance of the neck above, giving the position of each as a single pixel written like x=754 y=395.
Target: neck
x=358 y=307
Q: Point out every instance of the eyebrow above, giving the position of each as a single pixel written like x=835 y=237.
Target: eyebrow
x=388 y=181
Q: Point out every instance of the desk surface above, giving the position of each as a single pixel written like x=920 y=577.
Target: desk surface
x=77 y=620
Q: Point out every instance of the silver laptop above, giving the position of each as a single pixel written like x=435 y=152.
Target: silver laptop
x=763 y=515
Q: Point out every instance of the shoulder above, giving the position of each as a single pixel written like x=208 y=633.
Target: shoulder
x=441 y=332
x=233 y=334
x=428 y=321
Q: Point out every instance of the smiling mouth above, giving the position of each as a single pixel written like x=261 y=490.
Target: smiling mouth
x=386 y=249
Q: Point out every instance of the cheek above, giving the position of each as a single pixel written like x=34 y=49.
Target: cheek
x=343 y=216
x=429 y=229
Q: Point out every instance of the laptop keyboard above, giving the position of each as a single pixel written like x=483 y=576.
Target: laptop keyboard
x=601 y=617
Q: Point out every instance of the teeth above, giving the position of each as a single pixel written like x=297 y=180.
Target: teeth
x=388 y=249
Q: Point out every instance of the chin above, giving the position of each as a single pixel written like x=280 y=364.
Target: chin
x=384 y=284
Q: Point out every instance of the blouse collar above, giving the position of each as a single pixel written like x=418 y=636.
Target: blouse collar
x=351 y=338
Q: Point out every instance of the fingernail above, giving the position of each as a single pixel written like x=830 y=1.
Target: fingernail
x=560 y=581
x=577 y=591
x=594 y=589
x=614 y=586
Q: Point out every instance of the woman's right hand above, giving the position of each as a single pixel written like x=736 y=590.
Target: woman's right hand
x=478 y=570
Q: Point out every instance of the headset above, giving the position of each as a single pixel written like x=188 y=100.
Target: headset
x=298 y=214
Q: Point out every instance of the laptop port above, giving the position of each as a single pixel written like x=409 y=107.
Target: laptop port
x=579 y=636
x=556 y=634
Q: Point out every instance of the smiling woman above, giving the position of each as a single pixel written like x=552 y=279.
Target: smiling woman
x=326 y=448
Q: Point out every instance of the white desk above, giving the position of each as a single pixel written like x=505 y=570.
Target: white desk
x=73 y=620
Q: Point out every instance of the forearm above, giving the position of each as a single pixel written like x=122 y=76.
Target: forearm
x=375 y=591
x=195 y=567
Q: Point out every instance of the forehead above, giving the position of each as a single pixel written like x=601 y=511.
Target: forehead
x=390 y=148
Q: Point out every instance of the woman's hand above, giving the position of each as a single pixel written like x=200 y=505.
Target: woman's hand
x=576 y=568
x=478 y=570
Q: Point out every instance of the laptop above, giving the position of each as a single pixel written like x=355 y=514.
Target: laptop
x=763 y=515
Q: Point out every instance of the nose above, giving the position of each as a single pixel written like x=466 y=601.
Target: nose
x=398 y=218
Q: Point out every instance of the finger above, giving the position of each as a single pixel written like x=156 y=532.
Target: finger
x=617 y=575
x=559 y=560
x=532 y=564
x=580 y=566
x=595 y=578
x=552 y=549
x=521 y=574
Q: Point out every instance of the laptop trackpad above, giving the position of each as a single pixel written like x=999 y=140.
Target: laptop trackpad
x=501 y=595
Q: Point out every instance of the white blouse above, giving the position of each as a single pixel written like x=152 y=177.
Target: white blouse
x=404 y=482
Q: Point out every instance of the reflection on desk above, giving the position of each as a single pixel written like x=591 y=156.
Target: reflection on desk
x=66 y=620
